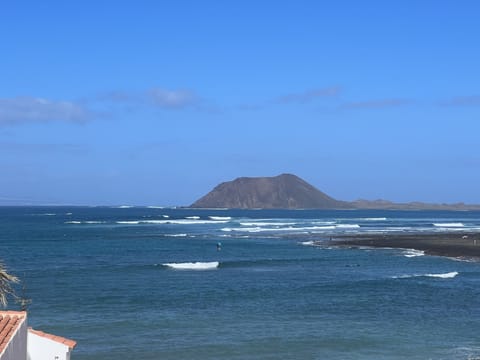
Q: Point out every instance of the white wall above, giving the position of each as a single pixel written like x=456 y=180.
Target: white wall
x=41 y=348
x=17 y=345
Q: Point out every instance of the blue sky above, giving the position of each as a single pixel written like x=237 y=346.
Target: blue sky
x=156 y=102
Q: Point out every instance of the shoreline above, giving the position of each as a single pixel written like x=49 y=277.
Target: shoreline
x=460 y=245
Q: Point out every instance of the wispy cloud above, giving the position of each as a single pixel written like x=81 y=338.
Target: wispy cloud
x=173 y=99
x=472 y=100
x=376 y=104
x=298 y=98
x=46 y=148
x=30 y=110
x=307 y=96
x=118 y=97
x=157 y=97
x=251 y=107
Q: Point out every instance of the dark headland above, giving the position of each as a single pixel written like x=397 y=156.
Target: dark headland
x=288 y=191
x=457 y=245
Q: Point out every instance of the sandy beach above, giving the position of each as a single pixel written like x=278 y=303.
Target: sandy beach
x=459 y=245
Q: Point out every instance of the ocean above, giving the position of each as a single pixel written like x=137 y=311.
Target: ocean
x=151 y=283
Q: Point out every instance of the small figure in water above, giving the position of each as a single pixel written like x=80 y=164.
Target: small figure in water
x=219 y=246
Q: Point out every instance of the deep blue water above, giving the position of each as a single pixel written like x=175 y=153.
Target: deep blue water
x=97 y=275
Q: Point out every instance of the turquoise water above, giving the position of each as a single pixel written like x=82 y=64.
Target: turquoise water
x=97 y=275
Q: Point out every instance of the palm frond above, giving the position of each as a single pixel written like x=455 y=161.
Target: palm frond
x=6 y=281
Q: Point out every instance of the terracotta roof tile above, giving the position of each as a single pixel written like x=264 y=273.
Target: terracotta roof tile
x=9 y=323
x=68 y=342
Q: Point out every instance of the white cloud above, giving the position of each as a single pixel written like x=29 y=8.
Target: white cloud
x=308 y=96
x=298 y=98
x=172 y=99
x=472 y=100
x=30 y=109
x=377 y=104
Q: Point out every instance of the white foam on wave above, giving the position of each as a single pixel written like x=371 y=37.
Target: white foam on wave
x=449 y=275
x=123 y=207
x=413 y=253
x=308 y=243
x=85 y=222
x=386 y=230
x=452 y=224
x=189 y=222
x=347 y=226
x=155 y=207
x=177 y=235
x=216 y=218
x=375 y=219
x=258 y=223
x=323 y=222
x=165 y=216
x=193 y=265
x=193 y=217
x=285 y=229
x=173 y=222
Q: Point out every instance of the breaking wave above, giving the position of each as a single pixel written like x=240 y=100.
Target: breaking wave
x=413 y=253
x=347 y=226
x=453 y=224
x=86 y=222
x=193 y=265
x=449 y=275
x=174 y=222
x=308 y=243
x=286 y=229
x=257 y=227
x=259 y=223
x=216 y=218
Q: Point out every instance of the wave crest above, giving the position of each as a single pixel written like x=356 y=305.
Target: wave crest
x=220 y=218
x=413 y=253
x=452 y=224
x=449 y=275
x=193 y=265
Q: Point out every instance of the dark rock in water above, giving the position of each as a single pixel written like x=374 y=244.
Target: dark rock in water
x=285 y=191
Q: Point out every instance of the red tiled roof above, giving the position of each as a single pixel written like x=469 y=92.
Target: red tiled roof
x=9 y=323
x=70 y=343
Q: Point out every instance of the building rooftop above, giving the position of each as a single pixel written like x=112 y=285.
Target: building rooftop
x=70 y=343
x=10 y=321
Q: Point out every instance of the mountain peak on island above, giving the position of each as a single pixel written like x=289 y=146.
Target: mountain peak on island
x=285 y=191
x=288 y=191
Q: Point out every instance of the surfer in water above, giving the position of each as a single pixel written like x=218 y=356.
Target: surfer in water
x=219 y=246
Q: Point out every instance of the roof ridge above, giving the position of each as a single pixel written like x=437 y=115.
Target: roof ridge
x=68 y=342
x=9 y=324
